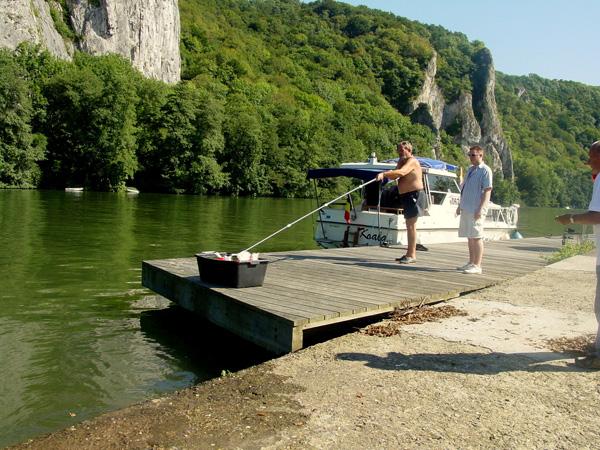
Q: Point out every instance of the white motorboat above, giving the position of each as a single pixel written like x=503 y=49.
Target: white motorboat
x=368 y=222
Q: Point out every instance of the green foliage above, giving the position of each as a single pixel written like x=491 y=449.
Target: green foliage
x=182 y=140
x=571 y=249
x=549 y=125
x=90 y=124
x=59 y=14
x=505 y=192
x=20 y=148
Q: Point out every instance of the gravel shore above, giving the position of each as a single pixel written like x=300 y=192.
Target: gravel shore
x=493 y=376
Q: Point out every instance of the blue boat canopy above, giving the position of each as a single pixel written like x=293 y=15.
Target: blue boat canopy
x=366 y=174
x=429 y=163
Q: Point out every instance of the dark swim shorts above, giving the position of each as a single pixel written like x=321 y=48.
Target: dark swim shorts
x=409 y=202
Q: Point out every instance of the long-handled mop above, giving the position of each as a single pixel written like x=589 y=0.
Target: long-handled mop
x=308 y=214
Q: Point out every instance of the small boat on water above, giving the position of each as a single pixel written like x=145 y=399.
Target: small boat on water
x=131 y=190
x=73 y=189
x=368 y=222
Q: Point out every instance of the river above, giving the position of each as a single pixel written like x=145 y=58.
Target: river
x=79 y=335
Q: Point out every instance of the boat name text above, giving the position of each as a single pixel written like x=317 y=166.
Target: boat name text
x=373 y=237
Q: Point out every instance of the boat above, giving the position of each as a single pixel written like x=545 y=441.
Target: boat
x=352 y=223
x=73 y=189
x=131 y=190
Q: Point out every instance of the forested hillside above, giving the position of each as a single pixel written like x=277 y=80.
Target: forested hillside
x=271 y=88
x=549 y=125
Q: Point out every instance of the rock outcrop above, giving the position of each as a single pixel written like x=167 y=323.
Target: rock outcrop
x=472 y=118
x=484 y=104
x=31 y=21
x=144 y=31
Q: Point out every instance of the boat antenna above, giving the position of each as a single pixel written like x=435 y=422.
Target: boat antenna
x=308 y=214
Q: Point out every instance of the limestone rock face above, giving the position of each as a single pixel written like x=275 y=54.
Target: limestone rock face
x=484 y=103
x=472 y=118
x=145 y=31
x=30 y=21
x=429 y=105
x=460 y=113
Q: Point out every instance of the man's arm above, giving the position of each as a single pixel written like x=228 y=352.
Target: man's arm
x=485 y=198
x=406 y=168
x=586 y=218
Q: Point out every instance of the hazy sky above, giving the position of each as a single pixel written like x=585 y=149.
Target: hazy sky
x=552 y=38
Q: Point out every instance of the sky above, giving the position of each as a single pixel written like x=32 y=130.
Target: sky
x=551 y=38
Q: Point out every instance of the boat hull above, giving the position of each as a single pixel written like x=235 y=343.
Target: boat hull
x=366 y=229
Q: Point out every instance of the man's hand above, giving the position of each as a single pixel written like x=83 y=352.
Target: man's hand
x=380 y=176
x=477 y=215
x=458 y=210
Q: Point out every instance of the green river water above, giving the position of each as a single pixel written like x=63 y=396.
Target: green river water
x=79 y=335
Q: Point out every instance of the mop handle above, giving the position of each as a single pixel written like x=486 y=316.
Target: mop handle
x=308 y=214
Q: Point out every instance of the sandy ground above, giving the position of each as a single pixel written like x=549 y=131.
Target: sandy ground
x=488 y=379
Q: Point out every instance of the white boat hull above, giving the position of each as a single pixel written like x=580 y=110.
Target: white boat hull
x=366 y=228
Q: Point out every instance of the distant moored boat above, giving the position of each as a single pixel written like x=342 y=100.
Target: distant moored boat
x=73 y=189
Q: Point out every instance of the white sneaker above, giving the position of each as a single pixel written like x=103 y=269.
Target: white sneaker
x=473 y=269
x=466 y=266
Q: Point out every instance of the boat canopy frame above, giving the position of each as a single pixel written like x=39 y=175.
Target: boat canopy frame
x=368 y=173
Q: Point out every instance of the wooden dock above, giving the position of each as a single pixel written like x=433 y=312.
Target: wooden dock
x=315 y=288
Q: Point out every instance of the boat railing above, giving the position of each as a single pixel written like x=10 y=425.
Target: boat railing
x=502 y=214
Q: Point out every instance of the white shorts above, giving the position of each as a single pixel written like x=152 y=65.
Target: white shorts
x=469 y=227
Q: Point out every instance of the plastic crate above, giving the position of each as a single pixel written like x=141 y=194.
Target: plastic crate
x=231 y=273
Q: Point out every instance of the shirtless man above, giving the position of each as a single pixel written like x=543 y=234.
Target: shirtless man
x=409 y=178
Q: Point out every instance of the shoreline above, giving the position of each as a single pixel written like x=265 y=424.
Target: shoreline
x=487 y=379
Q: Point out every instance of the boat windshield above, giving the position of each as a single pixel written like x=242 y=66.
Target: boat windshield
x=439 y=186
x=440 y=183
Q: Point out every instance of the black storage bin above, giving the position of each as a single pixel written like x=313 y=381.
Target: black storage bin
x=231 y=273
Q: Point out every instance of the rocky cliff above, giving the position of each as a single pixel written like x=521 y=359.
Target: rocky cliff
x=144 y=31
x=472 y=118
x=30 y=21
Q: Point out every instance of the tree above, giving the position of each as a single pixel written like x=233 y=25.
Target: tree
x=245 y=148
x=188 y=139
x=20 y=149
x=90 y=123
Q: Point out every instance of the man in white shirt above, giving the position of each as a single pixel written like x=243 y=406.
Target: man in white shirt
x=474 y=196
x=591 y=217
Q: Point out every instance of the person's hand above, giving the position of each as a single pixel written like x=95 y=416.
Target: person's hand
x=380 y=176
x=477 y=215
x=565 y=219
x=458 y=210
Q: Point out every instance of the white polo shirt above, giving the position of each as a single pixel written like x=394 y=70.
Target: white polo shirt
x=595 y=206
x=477 y=180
